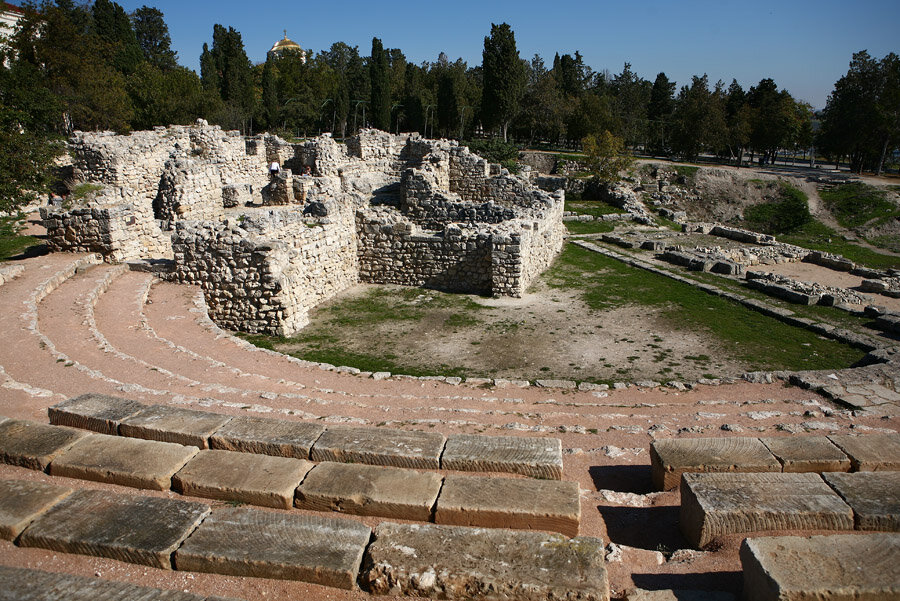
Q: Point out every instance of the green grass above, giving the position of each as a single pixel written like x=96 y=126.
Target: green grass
x=762 y=342
x=686 y=171
x=11 y=242
x=590 y=227
x=788 y=213
x=856 y=204
x=818 y=236
x=591 y=207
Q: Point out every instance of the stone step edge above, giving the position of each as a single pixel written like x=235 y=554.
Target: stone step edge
x=55 y=415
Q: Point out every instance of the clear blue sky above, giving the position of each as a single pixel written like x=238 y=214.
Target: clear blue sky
x=805 y=46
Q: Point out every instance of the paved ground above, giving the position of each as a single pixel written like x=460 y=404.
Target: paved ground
x=115 y=332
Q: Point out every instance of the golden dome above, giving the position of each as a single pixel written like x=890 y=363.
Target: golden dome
x=285 y=44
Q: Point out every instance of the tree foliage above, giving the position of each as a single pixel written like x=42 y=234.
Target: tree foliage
x=606 y=156
x=380 y=78
x=504 y=78
x=152 y=35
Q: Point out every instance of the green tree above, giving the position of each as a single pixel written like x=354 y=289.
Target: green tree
x=113 y=26
x=173 y=96
x=690 y=119
x=606 y=155
x=504 y=78
x=225 y=68
x=152 y=35
x=632 y=94
x=659 y=112
x=270 y=102
x=543 y=108
x=380 y=78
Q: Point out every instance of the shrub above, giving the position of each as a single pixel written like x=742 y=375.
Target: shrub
x=786 y=214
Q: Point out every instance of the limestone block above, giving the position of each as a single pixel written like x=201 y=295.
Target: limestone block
x=678 y=595
x=125 y=461
x=870 y=452
x=22 y=501
x=716 y=504
x=670 y=458
x=836 y=567
x=873 y=496
x=135 y=529
x=266 y=436
x=807 y=454
x=22 y=584
x=454 y=562
x=379 y=446
x=173 y=424
x=369 y=490
x=309 y=548
x=97 y=412
x=529 y=456
x=33 y=445
x=509 y=503
x=231 y=476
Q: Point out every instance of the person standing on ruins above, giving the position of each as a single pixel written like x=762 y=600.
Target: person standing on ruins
x=274 y=169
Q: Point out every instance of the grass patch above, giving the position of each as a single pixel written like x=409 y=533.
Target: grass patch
x=788 y=213
x=688 y=172
x=855 y=204
x=592 y=207
x=11 y=242
x=762 y=342
x=818 y=236
x=589 y=227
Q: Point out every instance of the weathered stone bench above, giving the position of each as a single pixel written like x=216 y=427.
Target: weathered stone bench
x=873 y=496
x=827 y=568
x=670 y=458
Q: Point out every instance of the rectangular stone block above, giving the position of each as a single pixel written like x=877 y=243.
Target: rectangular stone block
x=733 y=503
x=98 y=412
x=245 y=477
x=173 y=424
x=836 y=567
x=672 y=457
x=265 y=436
x=21 y=584
x=379 y=446
x=510 y=503
x=134 y=529
x=126 y=461
x=799 y=454
x=870 y=452
x=360 y=489
x=248 y=542
x=874 y=498
x=21 y=502
x=529 y=456
x=455 y=562
x=33 y=445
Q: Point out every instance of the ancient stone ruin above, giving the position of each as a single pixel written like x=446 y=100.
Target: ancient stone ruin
x=382 y=208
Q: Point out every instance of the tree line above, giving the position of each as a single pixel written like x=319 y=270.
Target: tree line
x=95 y=67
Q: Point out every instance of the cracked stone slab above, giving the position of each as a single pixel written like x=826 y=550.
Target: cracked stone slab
x=361 y=489
x=678 y=595
x=242 y=541
x=670 y=458
x=870 y=452
x=231 y=476
x=21 y=502
x=455 y=562
x=873 y=496
x=715 y=504
x=529 y=456
x=134 y=529
x=33 y=445
x=379 y=446
x=22 y=584
x=807 y=454
x=265 y=436
x=98 y=412
x=523 y=504
x=126 y=461
x=173 y=424
x=837 y=567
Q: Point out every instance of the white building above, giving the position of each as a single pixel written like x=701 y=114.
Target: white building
x=9 y=18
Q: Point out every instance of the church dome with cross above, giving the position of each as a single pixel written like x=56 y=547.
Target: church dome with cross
x=285 y=46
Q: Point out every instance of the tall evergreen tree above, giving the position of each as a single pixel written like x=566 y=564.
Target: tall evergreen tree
x=153 y=38
x=659 y=113
x=114 y=27
x=504 y=78
x=380 y=77
x=226 y=69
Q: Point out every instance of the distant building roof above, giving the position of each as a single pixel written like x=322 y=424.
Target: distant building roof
x=284 y=45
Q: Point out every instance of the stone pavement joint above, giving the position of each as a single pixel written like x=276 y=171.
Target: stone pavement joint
x=455 y=562
x=800 y=454
x=834 y=567
x=21 y=502
x=134 y=529
x=126 y=461
x=378 y=446
x=33 y=445
x=510 y=503
x=873 y=496
x=173 y=424
x=715 y=504
x=242 y=477
x=98 y=412
x=267 y=436
x=528 y=456
x=360 y=489
x=670 y=458
x=250 y=542
x=870 y=452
